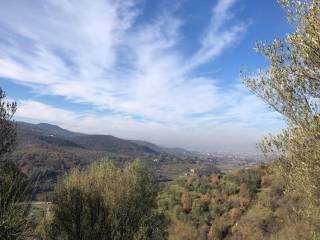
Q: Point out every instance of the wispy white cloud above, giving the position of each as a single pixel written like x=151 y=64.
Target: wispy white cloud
x=217 y=36
x=97 y=52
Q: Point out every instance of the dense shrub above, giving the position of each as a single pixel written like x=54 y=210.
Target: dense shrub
x=106 y=202
x=228 y=208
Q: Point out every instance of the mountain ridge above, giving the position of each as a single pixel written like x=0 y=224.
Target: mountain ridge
x=48 y=151
x=99 y=142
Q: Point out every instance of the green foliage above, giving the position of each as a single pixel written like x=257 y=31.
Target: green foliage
x=14 y=210
x=252 y=178
x=291 y=86
x=152 y=227
x=106 y=202
x=228 y=209
x=220 y=228
x=14 y=207
x=7 y=127
x=50 y=152
x=214 y=204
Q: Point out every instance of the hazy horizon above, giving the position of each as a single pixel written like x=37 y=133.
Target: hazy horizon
x=224 y=149
x=147 y=70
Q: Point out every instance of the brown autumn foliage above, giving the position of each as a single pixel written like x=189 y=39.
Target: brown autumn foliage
x=235 y=213
x=244 y=191
x=189 y=180
x=206 y=197
x=210 y=234
x=234 y=200
x=217 y=198
x=266 y=181
x=236 y=173
x=269 y=168
x=185 y=202
x=215 y=178
x=250 y=211
x=244 y=202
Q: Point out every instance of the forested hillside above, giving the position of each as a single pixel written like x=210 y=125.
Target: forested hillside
x=47 y=152
x=246 y=204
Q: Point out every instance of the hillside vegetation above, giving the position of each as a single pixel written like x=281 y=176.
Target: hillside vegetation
x=247 y=204
x=47 y=152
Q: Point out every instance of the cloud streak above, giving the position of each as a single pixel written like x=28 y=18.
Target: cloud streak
x=99 y=53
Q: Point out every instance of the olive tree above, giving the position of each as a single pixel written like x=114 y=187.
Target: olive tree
x=107 y=202
x=291 y=86
x=7 y=126
x=14 y=209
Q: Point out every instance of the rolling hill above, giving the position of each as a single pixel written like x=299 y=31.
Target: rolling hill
x=55 y=135
x=48 y=151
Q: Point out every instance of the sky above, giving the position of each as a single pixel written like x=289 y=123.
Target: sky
x=163 y=71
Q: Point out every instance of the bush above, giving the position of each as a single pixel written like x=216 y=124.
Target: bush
x=14 y=207
x=266 y=181
x=105 y=202
x=252 y=178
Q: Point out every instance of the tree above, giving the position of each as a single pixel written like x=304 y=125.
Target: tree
x=291 y=86
x=7 y=126
x=106 y=202
x=185 y=202
x=14 y=211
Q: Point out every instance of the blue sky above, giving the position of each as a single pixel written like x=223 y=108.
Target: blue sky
x=163 y=71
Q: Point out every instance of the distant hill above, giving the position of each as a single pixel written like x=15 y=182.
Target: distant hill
x=43 y=129
x=49 y=151
x=159 y=149
x=112 y=144
x=52 y=134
